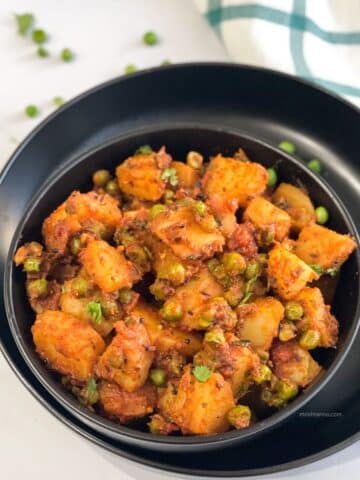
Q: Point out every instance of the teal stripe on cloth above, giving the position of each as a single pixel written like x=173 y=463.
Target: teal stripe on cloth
x=336 y=87
x=297 y=41
x=299 y=22
x=212 y=6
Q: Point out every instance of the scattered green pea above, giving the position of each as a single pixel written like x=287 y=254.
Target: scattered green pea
x=234 y=263
x=150 y=38
x=285 y=390
x=200 y=208
x=310 y=339
x=58 y=101
x=42 y=52
x=24 y=22
x=175 y=273
x=293 y=311
x=130 y=68
x=75 y=245
x=32 y=265
x=156 y=209
x=80 y=286
x=287 y=146
x=32 y=111
x=66 y=54
x=172 y=311
x=315 y=166
x=239 y=416
x=101 y=178
x=322 y=215
x=214 y=336
x=39 y=36
x=287 y=331
x=165 y=62
x=158 y=377
x=38 y=287
x=272 y=177
x=145 y=150
x=112 y=187
x=264 y=374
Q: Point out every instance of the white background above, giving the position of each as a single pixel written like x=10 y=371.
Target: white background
x=106 y=36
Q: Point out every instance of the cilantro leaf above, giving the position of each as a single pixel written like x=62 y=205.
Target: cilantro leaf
x=91 y=386
x=145 y=149
x=24 y=22
x=201 y=373
x=169 y=174
x=95 y=311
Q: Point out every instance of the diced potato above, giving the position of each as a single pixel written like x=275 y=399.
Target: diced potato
x=127 y=360
x=187 y=176
x=107 y=267
x=288 y=274
x=268 y=218
x=296 y=203
x=320 y=245
x=68 y=345
x=80 y=211
x=188 y=236
x=294 y=364
x=317 y=317
x=127 y=406
x=194 y=297
x=198 y=407
x=31 y=249
x=259 y=322
x=233 y=179
x=166 y=339
x=72 y=304
x=140 y=176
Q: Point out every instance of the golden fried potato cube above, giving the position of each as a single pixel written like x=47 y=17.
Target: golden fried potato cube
x=80 y=210
x=58 y=228
x=268 y=218
x=259 y=322
x=294 y=364
x=296 y=203
x=107 y=267
x=127 y=360
x=287 y=273
x=140 y=176
x=187 y=176
x=198 y=407
x=127 y=406
x=320 y=245
x=68 y=345
x=233 y=179
x=31 y=249
x=166 y=339
x=317 y=316
x=194 y=296
x=186 y=235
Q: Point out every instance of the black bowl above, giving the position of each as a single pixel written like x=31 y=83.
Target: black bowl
x=178 y=140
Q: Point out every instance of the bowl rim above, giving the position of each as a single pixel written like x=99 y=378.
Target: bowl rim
x=73 y=406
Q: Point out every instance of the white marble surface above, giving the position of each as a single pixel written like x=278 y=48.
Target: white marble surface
x=106 y=36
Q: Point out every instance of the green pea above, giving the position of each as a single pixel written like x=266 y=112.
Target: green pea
x=66 y=54
x=287 y=146
x=200 y=208
x=101 y=178
x=131 y=68
x=233 y=297
x=237 y=415
x=175 y=273
x=150 y=38
x=158 y=289
x=264 y=374
x=42 y=52
x=214 y=336
x=80 y=286
x=38 y=287
x=75 y=245
x=39 y=36
x=125 y=295
x=234 y=263
x=32 y=111
x=165 y=62
x=112 y=188
x=286 y=391
x=32 y=264
x=293 y=311
x=252 y=270
x=172 y=311
x=194 y=160
x=58 y=101
x=322 y=215
x=315 y=166
x=287 y=332
x=158 y=377
x=156 y=209
x=309 y=339
x=206 y=319
x=212 y=264
x=272 y=177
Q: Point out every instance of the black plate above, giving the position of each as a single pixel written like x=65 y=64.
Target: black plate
x=261 y=103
